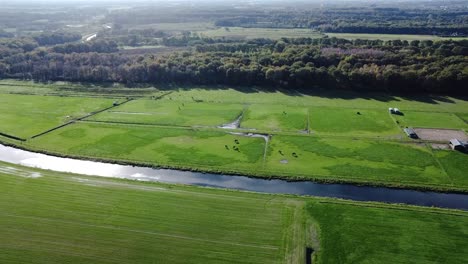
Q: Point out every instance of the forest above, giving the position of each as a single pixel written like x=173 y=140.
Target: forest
x=307 y=64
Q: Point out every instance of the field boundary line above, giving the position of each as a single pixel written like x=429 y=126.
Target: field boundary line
x=79 y=119
x=110 y=227
x=12 y=137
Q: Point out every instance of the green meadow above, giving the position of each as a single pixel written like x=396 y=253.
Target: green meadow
x=27 y=115
x=172 y=113
x=352 y=122
x=320 y=137
x=288 y=156
x=350 y=233
x=50 y=217
x=184 y=148
x=358 y=160
x=75 y=219
x=275 y=118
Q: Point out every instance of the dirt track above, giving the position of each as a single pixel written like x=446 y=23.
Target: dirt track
x=440 y=134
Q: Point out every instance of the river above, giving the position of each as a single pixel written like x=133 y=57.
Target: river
x=344 y=191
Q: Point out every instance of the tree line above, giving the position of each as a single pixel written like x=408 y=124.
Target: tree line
x=307 y=64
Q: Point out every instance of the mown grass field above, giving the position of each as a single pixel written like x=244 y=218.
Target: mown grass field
x=76 y=219
x=352 y=122
x=27 y=115
x=351 y=233
x=50 y=217
x=431 y=120
x=172 y=113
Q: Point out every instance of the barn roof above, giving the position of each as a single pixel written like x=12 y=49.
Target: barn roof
x=456 y=142
x=409 y=131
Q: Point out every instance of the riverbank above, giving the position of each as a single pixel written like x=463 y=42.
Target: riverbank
x=248 y=173
x=236 y=182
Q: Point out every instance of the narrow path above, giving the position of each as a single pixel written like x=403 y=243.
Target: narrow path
x=79 y=119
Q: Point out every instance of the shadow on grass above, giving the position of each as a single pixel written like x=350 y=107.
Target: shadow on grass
x=314 y=91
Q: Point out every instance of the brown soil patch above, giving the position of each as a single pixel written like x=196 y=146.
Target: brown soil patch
x=440 y=134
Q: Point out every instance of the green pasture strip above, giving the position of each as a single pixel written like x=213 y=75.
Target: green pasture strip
x=27 y=115
x=366 y=233
x=185 y=148
x=163 y=112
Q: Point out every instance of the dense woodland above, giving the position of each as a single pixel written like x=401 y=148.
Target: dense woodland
x=308 y=64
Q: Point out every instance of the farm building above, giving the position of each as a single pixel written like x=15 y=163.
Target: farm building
x=410 y=132
x=395 y=111
x=456 y=144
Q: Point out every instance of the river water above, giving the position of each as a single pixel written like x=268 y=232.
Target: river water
x=345 y=191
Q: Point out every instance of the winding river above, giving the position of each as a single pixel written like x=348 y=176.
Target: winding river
x=344 y=191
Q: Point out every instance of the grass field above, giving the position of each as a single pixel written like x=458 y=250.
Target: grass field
x=185 y=148
x=50 y=217
x=356 y=160
x=360 y=234
x=27 y=115
x=430 y=120
x=172 y=113
x=75 y=219
x=253 y=33
x=345 y=121
x=275 y=118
